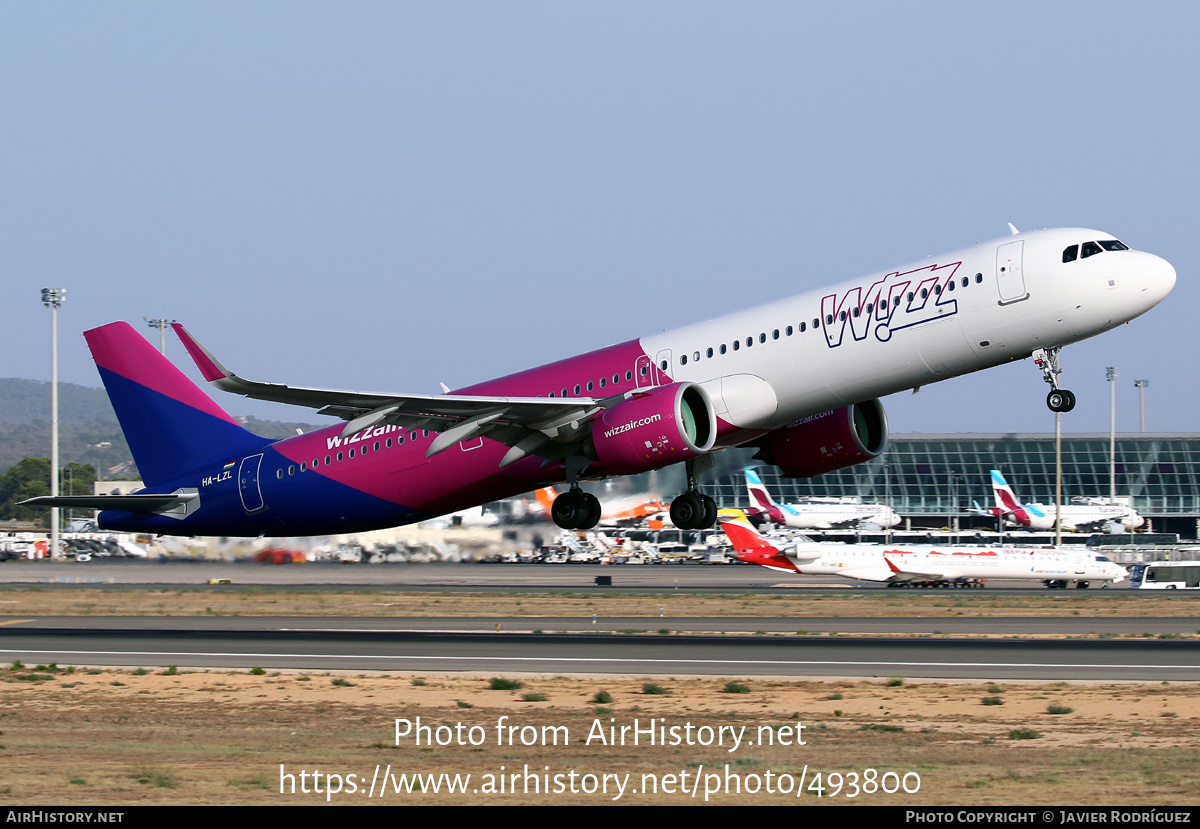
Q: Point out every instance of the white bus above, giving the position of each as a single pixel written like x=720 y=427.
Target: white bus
x=1165 y=575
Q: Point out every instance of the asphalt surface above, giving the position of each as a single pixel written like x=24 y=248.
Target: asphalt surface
x=792 y=647
x=235 y=646
x=440 y=577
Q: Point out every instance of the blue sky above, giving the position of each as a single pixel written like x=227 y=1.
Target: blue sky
x=385 y=196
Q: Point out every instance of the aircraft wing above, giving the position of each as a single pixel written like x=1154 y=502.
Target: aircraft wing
x=1095 y=526
x=529 y=425
x=866 y=573
x=892 y=573
x=846 y=524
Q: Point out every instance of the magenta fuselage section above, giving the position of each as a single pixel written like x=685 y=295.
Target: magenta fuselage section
x=322 y=483
x=389 y=462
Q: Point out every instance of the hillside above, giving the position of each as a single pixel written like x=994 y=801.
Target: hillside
x=87 y=428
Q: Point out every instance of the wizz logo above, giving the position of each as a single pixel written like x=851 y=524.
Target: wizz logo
x=898 y=300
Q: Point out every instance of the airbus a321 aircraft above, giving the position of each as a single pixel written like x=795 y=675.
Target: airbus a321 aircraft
x=900 y=564
x=816 y=514
x=1088 y=514
x=798 y=379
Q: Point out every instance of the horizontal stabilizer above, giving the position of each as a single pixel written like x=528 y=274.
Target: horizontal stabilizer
x=128 y=503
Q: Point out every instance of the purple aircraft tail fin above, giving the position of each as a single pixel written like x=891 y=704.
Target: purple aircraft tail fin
x=172 y=427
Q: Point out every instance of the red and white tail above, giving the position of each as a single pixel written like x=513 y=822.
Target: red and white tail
x=545 y=498
x=751 y=547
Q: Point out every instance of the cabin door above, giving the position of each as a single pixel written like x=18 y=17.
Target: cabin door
x=248 y=484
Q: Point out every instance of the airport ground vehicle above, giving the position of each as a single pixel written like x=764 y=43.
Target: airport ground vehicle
x=1165 y=575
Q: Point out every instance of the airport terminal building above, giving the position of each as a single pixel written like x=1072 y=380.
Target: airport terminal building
x=931 y=479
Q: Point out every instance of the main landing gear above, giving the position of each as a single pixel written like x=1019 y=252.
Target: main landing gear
x=1058 y=400
x=693 y=510
x=576 y=510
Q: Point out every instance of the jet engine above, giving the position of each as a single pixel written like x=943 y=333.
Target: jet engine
x=652 y=429
x=824 y=442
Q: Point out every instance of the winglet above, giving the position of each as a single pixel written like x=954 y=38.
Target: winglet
x=209 y=365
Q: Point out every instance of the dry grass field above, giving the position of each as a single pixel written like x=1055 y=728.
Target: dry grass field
x=120 y=737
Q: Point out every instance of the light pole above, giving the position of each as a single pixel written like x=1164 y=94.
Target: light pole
x=52 y=298
x=161 y=325
x=1111 y=376
x=1141 y=385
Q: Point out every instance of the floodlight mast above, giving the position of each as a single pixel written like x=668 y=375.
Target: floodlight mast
x=52 y=298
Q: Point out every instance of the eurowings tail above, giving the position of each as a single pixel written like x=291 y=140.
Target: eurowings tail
x=1012 y=509
x=762 y=505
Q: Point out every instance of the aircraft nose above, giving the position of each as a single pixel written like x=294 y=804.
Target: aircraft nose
x=1157 y=277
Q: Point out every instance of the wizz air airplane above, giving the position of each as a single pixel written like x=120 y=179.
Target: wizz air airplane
x=1084 y=514
x=817 y=514
x=799 y=379
x=902 y=564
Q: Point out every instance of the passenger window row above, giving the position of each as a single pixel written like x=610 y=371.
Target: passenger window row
x=376 y=446
x=869 y=308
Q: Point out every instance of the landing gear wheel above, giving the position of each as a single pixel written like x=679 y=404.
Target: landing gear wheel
x=592 y=512
x=568 y=509
x=1060 y=400
x=576 y=510
x=710 y=512
x=687 y=511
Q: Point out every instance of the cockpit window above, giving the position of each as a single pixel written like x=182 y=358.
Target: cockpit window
x=1089 y=249
x=1113 y=244
x=1071 y=253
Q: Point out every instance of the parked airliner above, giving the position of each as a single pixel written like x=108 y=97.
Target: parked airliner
x=798 y=379
x=900 y=563
x=1083 y=514
x=817 y=513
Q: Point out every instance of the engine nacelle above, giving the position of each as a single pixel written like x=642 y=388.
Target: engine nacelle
x=652 y=429
x=831 y=440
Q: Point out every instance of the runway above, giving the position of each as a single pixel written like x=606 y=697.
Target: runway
x=234 y=643
x=443 y=577
x=802 y=647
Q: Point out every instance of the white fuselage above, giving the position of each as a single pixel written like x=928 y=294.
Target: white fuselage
x=1079 y=516
x=871 y=562
x=832 y=516
x=891 y=331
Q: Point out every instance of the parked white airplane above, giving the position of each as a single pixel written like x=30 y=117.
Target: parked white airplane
x=815 y=514
x=898 y=564
x=1083 y=514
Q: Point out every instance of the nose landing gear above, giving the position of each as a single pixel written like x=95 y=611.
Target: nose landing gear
x=1058 y=400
